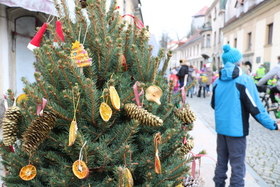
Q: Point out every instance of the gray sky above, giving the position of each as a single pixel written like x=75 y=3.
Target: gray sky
x=173 y=17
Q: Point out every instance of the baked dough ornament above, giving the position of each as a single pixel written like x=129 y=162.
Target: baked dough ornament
x=153 y=93
x=80 y=55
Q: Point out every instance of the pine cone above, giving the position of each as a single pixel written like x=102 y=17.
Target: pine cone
x=185 y=115
x=146 y=118
x=189 y=181
x=10 y=125
x=38 y=131
x=186 y=148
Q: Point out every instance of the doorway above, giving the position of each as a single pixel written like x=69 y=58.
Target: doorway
x=25 y=28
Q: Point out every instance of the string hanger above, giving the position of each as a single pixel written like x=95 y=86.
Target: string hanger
x=80 y=155
x=79 y=36
x=50 y=17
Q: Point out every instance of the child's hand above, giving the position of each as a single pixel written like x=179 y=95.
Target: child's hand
x=278 y=124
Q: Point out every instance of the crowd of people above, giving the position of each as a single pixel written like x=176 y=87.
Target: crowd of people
x=198 y=81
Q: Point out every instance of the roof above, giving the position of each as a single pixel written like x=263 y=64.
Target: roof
x=193 y=37
x=202 y=12
x=187 y=41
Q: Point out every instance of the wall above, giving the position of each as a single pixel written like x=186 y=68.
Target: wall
x=5 y=81
x=256 y=21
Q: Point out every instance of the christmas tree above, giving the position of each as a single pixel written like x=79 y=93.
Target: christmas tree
x=112 y=122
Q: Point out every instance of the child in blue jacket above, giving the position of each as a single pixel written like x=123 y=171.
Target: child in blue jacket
x=234 y=99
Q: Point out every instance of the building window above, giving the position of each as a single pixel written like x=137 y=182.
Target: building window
x=203 y=41
x=208 y=40
x=270 y=31
x=235 y=42
x=249 y=47
x=215 y=14
x=214 y=38
x=193 y=48
x=193 y=51
x=220 y=35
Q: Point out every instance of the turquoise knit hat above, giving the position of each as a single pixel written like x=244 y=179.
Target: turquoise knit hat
x=230 y=54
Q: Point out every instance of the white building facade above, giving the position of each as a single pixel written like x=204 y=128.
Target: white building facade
x=212 y=33
x=253 y=27
x=190 y=48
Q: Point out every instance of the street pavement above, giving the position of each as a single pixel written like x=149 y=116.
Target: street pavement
x=263 y=148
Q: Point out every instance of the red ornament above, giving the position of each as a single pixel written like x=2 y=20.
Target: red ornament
x=123 y=61
x=36 y=41
x=59 y=32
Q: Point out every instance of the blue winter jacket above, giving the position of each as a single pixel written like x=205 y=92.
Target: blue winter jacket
x=234 y=98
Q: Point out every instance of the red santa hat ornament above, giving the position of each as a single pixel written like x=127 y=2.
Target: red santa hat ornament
x=59 y=32
x=36 y=40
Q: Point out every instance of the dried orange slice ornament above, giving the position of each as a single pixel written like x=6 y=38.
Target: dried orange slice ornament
x=157 y=163
x=72 y=132
x=74 y=126
x=157 y=140
x=115 y=99
x=180 y=185
x=28 y=172
x=21 y=98
x=80 y=169
x=105 y=111
x=128 y=180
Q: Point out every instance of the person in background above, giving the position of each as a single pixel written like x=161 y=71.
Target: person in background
x=174 y=78
x=276 y=89
x=197 y=77
x=183 y=72
x=209 y=74
x=259 y=73
x=272 y=82
x=216 y=75
x=202 y=85
x=245 y=68
x=204 y=68
x=234 y=99
x=249 y=66
x=191 y=78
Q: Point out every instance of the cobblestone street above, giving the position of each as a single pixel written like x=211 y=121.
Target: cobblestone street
x=263 y=148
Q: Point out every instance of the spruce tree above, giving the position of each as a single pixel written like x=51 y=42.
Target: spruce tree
x=114 y=121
